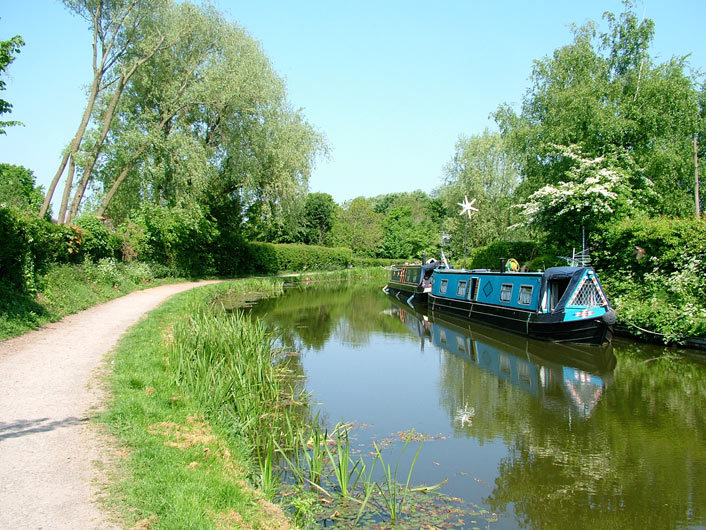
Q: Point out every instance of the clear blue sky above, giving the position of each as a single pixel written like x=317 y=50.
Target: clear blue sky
x=391 y=84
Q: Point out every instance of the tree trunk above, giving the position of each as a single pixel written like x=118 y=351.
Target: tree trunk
x=67 y=192
x=696 y=176
x=75 y=143
x=107 y=121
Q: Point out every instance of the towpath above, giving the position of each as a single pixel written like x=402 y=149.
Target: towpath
x=50 y=387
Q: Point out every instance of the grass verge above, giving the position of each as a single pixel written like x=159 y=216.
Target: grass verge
x=181 y=470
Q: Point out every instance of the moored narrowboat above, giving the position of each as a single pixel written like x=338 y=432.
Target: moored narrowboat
x=561 y=304
x=413 y=282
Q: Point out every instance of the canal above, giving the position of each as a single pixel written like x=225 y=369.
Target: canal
x=526 y=434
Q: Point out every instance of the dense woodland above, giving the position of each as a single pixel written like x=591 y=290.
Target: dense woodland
x=189 y=150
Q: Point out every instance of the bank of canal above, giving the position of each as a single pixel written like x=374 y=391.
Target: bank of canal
x=526 y=434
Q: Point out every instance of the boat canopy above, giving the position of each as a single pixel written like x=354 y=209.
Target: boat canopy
x=573 y=274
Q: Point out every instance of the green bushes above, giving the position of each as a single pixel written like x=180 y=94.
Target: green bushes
x=634 y=244
x=269 y=258
x=489 y=256
x=654 y=271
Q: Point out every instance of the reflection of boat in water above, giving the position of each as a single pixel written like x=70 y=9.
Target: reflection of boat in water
x=554 y=373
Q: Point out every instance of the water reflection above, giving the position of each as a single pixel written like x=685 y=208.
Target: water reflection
x=568 y=379
x=545 y=435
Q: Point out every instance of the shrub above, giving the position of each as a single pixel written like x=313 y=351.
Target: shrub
x=97 y=240
x=270 y=258
x=666 y=240
x=489 y=256
x=14 y=251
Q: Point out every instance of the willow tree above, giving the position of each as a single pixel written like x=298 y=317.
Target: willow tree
x=122 y=41
x=206 y=123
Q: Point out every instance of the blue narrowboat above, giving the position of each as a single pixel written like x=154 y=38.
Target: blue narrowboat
x=561 y=304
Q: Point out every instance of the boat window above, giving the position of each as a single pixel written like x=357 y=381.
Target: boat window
x=588 y=295
x=525 y=296
x=474 y=288
x=461 y=291
x=506 y=292
x=443 y=286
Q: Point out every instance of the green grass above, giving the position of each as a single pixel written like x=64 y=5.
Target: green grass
x=67 y=289
x=183 y=469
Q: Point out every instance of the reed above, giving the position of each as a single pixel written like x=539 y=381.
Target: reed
x=341 y=460
x=269 y=472
x=228 y=362
x=392 y=492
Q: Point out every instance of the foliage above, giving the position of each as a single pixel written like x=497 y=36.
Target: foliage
x=98 y=241
x=180 y=238
x=8 y=50
x=18 y=190
x=483 y=169
x=489 y=256
x=604 y=93
x=270 y=258
x=319 y=215
x=592 y=193
x=358 y=226
x=630 y=246
x=655 y=275
x=405 y=238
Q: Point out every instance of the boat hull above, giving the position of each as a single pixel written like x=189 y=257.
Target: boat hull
x=522 y=303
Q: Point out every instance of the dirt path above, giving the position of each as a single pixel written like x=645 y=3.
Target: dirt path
x=49 y=388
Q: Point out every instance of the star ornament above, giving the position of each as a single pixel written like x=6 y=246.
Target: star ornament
x=467 y=206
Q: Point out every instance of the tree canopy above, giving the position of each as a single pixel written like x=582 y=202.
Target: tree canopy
x=8 y=51
x=605 y=97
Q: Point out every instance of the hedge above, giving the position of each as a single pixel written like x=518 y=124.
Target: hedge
x=489 y=256
x=271 y=258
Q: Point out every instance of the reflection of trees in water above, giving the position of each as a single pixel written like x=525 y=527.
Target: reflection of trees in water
x=309 y=316
x=638 y=462
x=637 y=459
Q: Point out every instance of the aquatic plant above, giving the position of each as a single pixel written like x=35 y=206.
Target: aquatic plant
x=393 y=495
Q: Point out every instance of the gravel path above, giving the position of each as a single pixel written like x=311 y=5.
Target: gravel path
x=49 y=389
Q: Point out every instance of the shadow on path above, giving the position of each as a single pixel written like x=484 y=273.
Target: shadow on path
x=20 y=428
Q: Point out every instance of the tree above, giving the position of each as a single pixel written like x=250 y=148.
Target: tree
x=604 y=93
x=18 y=189
x=118 y=32
x=358 y=226
x=205 y=124
x=592 y=193
x=8 y=50
x=483 y=169
x=319 y=212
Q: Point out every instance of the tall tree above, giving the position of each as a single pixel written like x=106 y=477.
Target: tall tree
x=358 y=226
x=117 y=27
x=319 y=215
x=483 y=169
x=8 y=50
x=604 y=93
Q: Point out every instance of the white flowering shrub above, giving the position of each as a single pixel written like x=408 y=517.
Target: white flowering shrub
x=596 y=190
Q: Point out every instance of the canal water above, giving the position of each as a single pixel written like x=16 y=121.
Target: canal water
x=526 y=434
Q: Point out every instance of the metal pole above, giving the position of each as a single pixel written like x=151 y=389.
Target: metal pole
x=465 y=245
x=696 y=176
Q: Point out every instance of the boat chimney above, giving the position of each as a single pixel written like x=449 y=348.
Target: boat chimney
x=502 y=265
